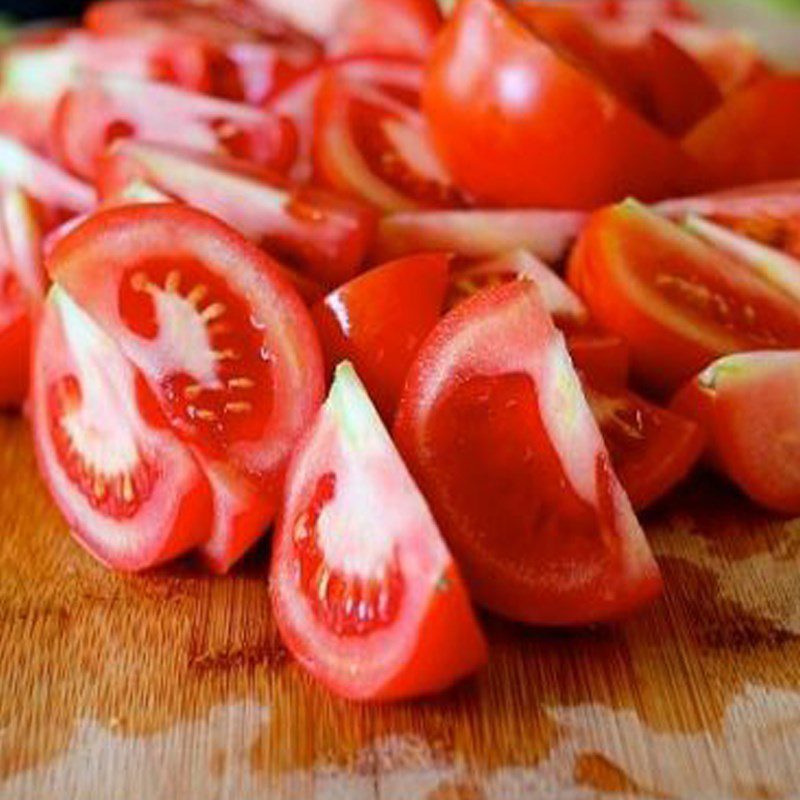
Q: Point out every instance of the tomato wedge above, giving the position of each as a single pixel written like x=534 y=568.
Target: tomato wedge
x=652 y=449
x=319 y=233
x=365 y=593
x=479 y=233
x=601 y=356
x=517 y=124
x=130 y=490
x=379 y=320
x=372 y=145
x=105 y=108
x=224 y=342
x=678 y=301
x=747 y=404
x=495 y=427
x=752 y=137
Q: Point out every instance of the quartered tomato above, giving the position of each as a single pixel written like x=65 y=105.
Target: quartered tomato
x=21 y=291
x=379 y=320
x=651 y=449
x=752 y=137
x=221 y=337
x=495 y=427
x=747 y=404
x=130 y=490
x=679 y=302
x=602 y=356
x=474 y=233
x=517 y=124
x=372 y=145
x=322 y=235
x=105 y=108
x=365 y=593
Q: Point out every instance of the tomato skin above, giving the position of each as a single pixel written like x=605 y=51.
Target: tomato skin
x=477 y=411
x=379 y=320
x=747 y=405
x=652 y=449
x=322 y=235
x=767 y=113
x=426 y=639
x=15 y=346
x=558 y=138
x=695 y=307
x=174 y=515
x=602 y=357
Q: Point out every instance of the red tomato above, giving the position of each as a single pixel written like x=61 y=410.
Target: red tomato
x=379 y=320
x=321 y=234
x=21 y=291
x=365 y=593
x=518 y=125
x=225 y=343
x=479 y=233
x=679 y=302
x=747 y=404
x=601 y=356
x=110 y=107
x=651 y=449
x=371 y=145
x=130 y=491
x=752 y=137
x=496 y=429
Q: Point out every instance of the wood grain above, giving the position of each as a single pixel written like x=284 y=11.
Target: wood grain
x=175 y=684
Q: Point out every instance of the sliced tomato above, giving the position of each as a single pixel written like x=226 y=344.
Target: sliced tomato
x=319 y=233
x=61 y=193
x=517 y=124
x=379 y=320
x=130 y=490
x=365 y=593
x=495 y=427
x=221 y=337
x=21 y=291
x=679 y=302
x=372 y=145
x=747 y=404
x=752 y=137
x=109 y=107
x=652 y=449
x=601 y=356
x=474 y=233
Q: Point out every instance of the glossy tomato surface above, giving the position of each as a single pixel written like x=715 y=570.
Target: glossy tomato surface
x=678 y=301
x=518 y=124
x=496 y=429
x=747 y=404
x=379 y=320
x=131 y=491
x=365 y=593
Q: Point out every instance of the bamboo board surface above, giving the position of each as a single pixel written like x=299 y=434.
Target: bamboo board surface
x=175 y=684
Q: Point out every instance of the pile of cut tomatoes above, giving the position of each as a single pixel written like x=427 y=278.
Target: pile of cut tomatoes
x=541 y=258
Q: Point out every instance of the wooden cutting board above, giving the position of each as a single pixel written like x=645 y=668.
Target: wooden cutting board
x=175 y=685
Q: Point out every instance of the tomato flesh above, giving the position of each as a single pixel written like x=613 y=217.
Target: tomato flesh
x=130 y=490
x=365 y=593
x=496 y=430
x=679 y=302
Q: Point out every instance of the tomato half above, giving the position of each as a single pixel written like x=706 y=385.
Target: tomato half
x=105 y=108
x=483 y=233
x=21 y=291
x=495 y=427
x=365 y=593
x=679 y=302
x=322 y=235
x=747 y=404
x=372 y=145
x=130 y=490
x=752 y=137
x=224 y=342
x=517 y=124
x=652 y=449
x=379 y=320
